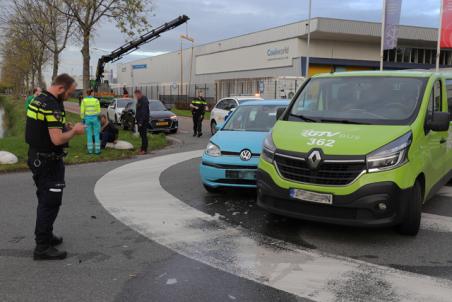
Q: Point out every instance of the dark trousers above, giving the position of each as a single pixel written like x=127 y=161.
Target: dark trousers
x=106 y=137
x=48 y=175
x=143 y=130
x=197 y=122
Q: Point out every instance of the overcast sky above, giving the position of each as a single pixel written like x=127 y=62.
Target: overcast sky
x=213 y=20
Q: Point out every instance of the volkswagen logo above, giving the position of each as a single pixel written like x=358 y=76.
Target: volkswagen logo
x=245 y=155
x=314 y=159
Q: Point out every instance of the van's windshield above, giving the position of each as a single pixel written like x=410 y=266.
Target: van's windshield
x=359 y=100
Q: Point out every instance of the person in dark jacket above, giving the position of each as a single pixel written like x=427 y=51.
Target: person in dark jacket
x=109 y=133
x=142 y=117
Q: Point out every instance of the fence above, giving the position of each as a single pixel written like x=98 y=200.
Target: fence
x=182 y=95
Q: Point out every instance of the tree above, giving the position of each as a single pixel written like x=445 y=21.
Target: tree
x=51 y=27
x=23 y=56
x=129 y=16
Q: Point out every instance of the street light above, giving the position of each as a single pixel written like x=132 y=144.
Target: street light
x=188 y=38
x=309 y=39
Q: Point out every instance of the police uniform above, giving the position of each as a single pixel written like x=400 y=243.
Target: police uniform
x=46 y=163
x=198 y=114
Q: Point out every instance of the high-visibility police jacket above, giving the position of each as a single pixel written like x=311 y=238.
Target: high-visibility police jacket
x=44 y=112
x=90 y=107
x=201 y=103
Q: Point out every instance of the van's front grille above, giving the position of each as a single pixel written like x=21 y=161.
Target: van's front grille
x=328 y=172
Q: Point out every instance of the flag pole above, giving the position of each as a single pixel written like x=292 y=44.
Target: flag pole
x=383 y=24
x=438 y=49
x=309 y=39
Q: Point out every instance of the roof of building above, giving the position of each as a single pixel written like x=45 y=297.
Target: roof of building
x=324 y=29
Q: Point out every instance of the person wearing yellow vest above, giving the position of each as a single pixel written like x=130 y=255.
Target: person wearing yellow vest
x=90 y=114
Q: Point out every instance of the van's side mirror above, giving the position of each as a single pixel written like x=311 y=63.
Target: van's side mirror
x=280 y=112
x=439 y=121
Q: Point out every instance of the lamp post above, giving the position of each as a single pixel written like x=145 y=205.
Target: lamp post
x=309 y=38
x=188 y=38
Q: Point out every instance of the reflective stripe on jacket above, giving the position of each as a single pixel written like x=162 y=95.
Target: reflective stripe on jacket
x=90 y=106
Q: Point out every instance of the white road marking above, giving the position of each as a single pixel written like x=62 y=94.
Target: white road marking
x=133 y=194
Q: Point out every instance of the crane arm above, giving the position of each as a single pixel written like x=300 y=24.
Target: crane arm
x=129 y=47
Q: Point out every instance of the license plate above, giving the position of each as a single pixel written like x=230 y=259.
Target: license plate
x=311 y=196
x=241 y=174
x=162 y=123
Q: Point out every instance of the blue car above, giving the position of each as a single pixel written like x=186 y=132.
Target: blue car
x=232 y=155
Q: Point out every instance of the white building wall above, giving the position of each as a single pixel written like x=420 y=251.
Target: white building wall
x=247 y=56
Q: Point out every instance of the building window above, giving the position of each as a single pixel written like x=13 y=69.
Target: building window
x=392 y=55
x=399 y=58
x=406 y=55
x=417 y=56
x=421 y=56
x=413 y=58
x=430 y=57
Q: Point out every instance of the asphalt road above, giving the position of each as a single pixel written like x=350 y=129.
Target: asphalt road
x=107 y=261
x=428 y=253
x=123 y=260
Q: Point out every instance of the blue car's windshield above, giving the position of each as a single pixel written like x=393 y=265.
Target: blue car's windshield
x=252 y=118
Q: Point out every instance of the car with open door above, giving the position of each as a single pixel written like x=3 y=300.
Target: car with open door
x=116 y=108
x=161 y=118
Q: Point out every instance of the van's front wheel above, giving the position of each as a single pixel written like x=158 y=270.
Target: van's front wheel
x=412 y=221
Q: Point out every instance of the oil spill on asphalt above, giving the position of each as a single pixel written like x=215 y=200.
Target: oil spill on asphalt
x=365 y=285
x=237 y=207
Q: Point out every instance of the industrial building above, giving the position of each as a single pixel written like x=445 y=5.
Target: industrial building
x=273 y=61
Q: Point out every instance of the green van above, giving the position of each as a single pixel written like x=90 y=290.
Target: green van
x=360 y=149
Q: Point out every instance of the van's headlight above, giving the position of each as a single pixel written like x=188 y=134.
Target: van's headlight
x=268 y=153
x=213 y=150
x=390 y=156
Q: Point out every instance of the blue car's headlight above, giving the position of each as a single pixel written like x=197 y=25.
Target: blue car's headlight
x=213 y=150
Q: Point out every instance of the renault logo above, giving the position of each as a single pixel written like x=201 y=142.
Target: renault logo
x=314 y=159
x=245 y=155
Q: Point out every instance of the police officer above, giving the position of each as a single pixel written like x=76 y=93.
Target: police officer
x=90 y=114
x=199 y=108
x=47 y=134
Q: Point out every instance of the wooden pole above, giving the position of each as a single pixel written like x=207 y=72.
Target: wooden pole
x=383 y=28
x=438 y=48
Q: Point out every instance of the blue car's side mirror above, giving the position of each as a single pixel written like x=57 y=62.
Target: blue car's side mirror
x=219 y=126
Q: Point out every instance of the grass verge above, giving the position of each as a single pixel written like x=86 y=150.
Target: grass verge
x=14 y=141
x=187 y=113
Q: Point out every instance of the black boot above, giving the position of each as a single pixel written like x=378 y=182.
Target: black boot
x=48 y=253
x=199 y=134
x=56 y=240
x=194 y=134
